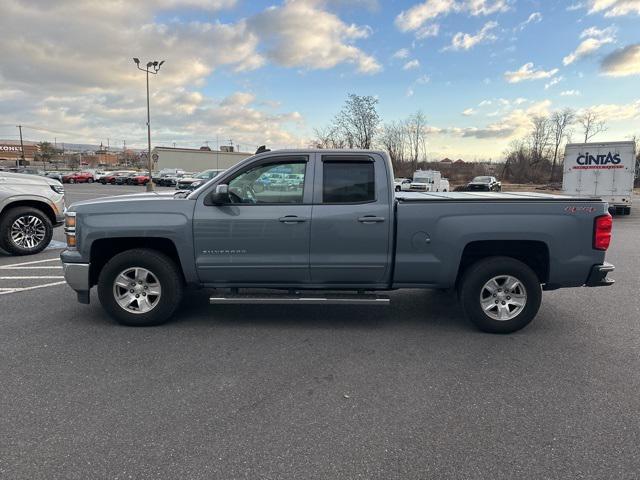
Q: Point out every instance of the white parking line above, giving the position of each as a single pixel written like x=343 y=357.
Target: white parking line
x=38 y=277
x=36 y=266
x=39 y=267
x=56 y=259
x=6 y=291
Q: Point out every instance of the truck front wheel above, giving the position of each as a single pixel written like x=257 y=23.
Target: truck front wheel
x=140 y=287
x=500 y=294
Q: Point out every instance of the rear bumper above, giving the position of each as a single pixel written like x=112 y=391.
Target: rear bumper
x=598 y=275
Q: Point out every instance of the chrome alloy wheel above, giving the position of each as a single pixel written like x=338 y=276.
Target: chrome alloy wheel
x=137 y=290
x=28 y=231
x=503 y=297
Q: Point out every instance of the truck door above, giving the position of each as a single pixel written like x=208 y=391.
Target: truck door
x=262 y=235
x=352 y=220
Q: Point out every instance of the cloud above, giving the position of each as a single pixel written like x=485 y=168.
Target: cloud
x=416 y=16
x=402 y=53
x=535 y=17
x=528 y=72
x=622 y=62
x=552 y=82
x=423 y=79
x=82 y=80
x=469 y=112
x=431 y=30
x=570 y=93
x=515 y=123
x=300 y=34
x=595 y=38
x=615 y=8
x=484 y=103
x=575 y=6
x=615 y=112
x=410 y=65
x=466 y=41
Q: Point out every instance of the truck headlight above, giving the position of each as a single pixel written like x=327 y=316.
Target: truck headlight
x=70 y=229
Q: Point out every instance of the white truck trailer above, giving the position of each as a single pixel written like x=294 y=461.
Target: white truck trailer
x=606 y=170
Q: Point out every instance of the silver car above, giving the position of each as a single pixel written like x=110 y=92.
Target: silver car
x=30 y=207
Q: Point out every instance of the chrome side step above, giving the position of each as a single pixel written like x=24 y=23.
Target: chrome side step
x=301 y=299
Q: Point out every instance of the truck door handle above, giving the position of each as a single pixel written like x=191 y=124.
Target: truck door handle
x=371 y=219
x=290 y=219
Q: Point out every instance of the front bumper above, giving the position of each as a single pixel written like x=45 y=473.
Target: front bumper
x=598 y=275
x=77 y=277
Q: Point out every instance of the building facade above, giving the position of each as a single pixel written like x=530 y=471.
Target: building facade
x=193 y=159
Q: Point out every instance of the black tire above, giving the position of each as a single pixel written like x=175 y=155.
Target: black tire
x=10 y=217
x=472 y=287
x=89 y=180
x=71 y=180
x=398 y=188
x=162 y=267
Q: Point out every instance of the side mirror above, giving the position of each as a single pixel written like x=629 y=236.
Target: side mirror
x=220 y=196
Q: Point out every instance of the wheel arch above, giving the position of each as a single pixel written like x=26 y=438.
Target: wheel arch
x=533 y=253
x=103 y=249
x=41 y=205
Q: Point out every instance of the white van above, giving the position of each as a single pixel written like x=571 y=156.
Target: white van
x=605 y=170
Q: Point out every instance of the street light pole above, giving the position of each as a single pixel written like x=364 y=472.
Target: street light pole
x=156 y=68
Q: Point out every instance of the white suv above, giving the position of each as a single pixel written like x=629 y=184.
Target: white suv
x=30 y=206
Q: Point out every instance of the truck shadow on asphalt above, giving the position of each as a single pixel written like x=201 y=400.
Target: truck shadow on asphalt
x=408 y=307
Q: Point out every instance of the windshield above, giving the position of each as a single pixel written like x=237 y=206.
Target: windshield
x=482 y=180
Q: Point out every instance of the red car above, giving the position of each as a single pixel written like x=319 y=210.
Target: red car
x=111 y=177
x=78 y=177
x=138 y=180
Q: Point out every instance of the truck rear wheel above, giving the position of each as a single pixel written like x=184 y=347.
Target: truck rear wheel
x=140 y=287
x=500 y=294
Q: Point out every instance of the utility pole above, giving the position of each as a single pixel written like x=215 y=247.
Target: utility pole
x=156 y=67
x=21 y=148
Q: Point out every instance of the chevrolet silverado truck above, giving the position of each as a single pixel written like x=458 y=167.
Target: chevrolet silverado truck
x=342 y=236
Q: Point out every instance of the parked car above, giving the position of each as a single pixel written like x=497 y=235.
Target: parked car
x=138 y=179
x=398 y=182
x=30 y=207
x=484 y=184
x=191 y=183
x=172 y=179
x=124 y=178
x=78 y=177
x=345 y=231
x=110 y=178
x=99 y=174
x=55 y=175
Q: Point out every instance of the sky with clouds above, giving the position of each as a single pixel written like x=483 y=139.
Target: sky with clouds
x=261 y=72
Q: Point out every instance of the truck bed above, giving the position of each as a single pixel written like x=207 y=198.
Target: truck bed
x=485 y=196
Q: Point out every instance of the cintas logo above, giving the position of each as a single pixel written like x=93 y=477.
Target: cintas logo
x=608 y=159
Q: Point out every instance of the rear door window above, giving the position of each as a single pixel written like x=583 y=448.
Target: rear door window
x=348 y=182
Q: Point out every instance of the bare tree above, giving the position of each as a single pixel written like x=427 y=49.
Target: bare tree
x=415 y=127
x=540 y=138
x=328 y=137
x=560 y=123
x=591 y=124
x=358 y=121
x=393 y=139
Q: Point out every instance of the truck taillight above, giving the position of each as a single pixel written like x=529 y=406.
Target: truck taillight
x=602 y=232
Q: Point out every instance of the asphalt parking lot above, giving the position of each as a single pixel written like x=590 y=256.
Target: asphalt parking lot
x=409 y=391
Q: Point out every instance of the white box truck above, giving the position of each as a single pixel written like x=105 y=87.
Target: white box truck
x=605 y=170
x=427 y=181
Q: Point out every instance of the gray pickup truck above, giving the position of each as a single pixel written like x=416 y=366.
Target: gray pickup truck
x=340 y=235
